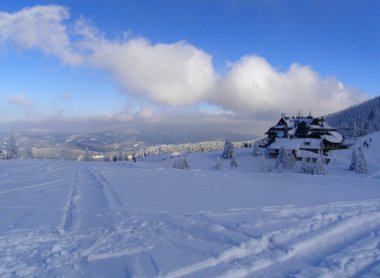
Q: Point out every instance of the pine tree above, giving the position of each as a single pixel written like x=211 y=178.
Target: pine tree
x=256 y=150
x=182 y=163
x=219 y=164
x=233 y=162
x=12 y=149
x=28 y=152
x=362 y=166
x=354 y=160
x=358 y=161
x=280 y=157
x=285 y=159
x=306 y=167
x=319 y=167
x=86 y=155
x=228 y=150
x=119 y=156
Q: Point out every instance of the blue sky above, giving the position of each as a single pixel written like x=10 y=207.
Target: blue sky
x=140 y=59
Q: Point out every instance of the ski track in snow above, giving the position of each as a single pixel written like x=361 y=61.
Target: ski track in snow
x=92 y=231
x=280 y=251
x=71 y=213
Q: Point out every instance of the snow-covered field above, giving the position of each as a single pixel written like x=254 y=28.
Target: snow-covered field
x=146 y=219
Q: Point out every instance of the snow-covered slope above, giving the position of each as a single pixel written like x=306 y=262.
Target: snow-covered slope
x=146 y=219
x=360 y=119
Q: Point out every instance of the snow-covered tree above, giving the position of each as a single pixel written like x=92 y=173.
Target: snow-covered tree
x=28 y=152
x=12 y=149
x=358 y=161
x=362 y=166
x=256 y=149
x=306 y=167
x=285 y=159
x=119 y=156
x=219 y=164
x=86 y=155
x=233 y=162
x=181 y=163
x=228 y=150
x=319 y=167
x=354 y=160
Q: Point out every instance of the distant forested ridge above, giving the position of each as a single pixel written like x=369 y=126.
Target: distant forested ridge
x=357 y=120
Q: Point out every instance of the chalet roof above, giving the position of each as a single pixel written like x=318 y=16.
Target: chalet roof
x=309 y=120
x=289 y=123
x=333 y=137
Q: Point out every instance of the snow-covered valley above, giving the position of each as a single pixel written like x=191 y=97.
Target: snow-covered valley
x=146 y=219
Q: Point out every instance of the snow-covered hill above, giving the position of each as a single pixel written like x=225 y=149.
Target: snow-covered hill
x=360 y=119
x=146 y=219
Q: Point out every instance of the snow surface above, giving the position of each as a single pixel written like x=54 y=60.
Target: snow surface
x=146 y=219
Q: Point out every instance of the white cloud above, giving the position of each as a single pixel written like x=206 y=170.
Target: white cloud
x=20 y=100
x=180 y=74
x=173 y=74
x=252 y=84
x=177 y=74
x=39 y=27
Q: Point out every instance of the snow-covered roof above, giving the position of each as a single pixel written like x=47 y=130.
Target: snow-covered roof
x=334 y=137
x=291 y=122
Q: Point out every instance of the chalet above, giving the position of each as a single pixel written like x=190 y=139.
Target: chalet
x=305 y=136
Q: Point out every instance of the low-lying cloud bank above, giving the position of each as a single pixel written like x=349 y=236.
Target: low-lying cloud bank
x=159 y=127
x=176 y=74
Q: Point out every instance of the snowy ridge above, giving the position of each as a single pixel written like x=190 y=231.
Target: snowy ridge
x=361 y=119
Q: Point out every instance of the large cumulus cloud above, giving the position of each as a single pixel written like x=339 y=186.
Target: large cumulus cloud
x=173 y=74
x=252 y=84
x=177 y=73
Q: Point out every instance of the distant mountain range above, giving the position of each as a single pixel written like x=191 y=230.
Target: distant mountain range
x=67 y=145
x=357 y=120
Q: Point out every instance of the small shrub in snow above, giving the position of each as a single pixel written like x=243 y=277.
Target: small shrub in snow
x=228 y=150
x=233 y=162
x=285 y=159
x=219 y=164
x=181 y=163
